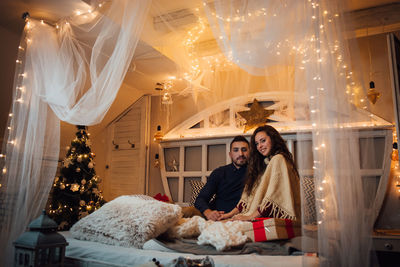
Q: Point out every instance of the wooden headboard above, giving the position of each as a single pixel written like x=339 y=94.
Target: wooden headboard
x=184 y=160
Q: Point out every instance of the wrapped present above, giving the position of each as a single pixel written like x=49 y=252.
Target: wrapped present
x=266 y=229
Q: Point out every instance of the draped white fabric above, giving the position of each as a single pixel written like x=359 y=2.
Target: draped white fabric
x=71 y=72
x=309 y=35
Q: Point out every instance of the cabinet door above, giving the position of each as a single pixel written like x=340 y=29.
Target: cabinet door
x=128 y=139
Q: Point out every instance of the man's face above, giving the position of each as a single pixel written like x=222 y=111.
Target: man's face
x=239 y=153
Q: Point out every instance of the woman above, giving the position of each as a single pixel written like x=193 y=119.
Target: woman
x=272 y=187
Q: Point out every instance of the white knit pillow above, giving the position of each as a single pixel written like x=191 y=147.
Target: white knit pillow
x=127 y=221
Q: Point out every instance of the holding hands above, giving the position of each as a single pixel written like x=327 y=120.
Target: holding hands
x=213 y=215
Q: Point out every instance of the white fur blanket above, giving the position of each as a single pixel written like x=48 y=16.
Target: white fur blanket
x=221 y=235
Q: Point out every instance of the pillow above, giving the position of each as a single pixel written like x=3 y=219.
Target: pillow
x=196 y=187
x=309 y=212
x=127 y=221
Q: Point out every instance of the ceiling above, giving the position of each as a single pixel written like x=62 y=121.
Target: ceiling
x=149 y=67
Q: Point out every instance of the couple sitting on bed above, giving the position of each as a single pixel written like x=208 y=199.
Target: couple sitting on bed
x=262 y=182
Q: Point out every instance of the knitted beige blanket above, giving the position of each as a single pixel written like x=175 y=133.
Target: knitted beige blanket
x=279 y=188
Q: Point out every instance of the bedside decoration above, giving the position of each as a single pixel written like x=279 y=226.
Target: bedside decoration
x=256 y=116
x=158 y=136
x=373 y=94
x=41 y=245
x=156 y=161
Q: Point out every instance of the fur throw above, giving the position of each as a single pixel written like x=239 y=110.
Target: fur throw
x=127 y=221
x=221 y=235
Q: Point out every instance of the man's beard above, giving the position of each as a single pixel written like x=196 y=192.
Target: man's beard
x=240 y=161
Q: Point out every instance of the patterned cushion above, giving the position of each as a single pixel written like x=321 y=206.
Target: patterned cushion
x=196 y=186
x=309 y=212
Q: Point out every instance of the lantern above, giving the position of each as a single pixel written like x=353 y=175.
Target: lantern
x=41 y=245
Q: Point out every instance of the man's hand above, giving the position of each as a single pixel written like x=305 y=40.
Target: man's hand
x=213 y=215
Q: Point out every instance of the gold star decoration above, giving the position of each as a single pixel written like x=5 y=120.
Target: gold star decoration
x=256 y=116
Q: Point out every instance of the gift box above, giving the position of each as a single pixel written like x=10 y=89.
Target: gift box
x=266 y=229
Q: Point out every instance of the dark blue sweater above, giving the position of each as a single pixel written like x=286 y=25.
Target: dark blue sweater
x=227 y=183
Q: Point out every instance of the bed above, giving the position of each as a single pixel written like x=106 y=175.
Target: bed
x=132 y=230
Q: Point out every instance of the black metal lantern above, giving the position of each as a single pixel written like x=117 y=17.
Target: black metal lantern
x=41 y=245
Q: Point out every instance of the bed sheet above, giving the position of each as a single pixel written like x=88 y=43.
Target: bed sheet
x=93 y=254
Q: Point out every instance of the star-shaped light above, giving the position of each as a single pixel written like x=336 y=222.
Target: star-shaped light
x=256 y=116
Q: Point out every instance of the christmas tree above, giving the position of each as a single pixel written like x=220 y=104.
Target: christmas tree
x=75 y=192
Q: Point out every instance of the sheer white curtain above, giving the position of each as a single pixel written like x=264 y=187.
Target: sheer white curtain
x=72 y=72
x=309 y=37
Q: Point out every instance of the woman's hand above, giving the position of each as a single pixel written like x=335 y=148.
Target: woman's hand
x=228 y=215
x=242 y=217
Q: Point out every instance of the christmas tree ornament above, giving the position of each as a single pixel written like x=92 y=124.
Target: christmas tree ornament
x=79 y=159
x=82 y=203
x=62 y=186
x=256 y=116
x=90 y=165
x=67 y=148
x=67 y=162
x=83 y=181
x=78 y=169
x=74 y=187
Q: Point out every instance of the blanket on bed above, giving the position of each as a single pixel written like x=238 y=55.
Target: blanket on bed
x=273 y=248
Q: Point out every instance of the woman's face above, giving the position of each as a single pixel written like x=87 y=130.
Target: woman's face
x=263 y=143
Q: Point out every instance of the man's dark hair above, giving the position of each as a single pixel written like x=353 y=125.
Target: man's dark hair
x=239 y=138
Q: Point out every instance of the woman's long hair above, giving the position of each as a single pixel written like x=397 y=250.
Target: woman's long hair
x=256 y=166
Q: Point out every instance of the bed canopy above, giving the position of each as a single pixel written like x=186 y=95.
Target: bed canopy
x=71 y=70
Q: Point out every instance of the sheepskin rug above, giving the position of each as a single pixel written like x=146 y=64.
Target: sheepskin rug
x=127 y=221
x=221 y=235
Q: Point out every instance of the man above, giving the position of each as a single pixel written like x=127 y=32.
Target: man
x=225 y=182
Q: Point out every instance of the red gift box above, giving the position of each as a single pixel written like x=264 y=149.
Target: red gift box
x=266 y=229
